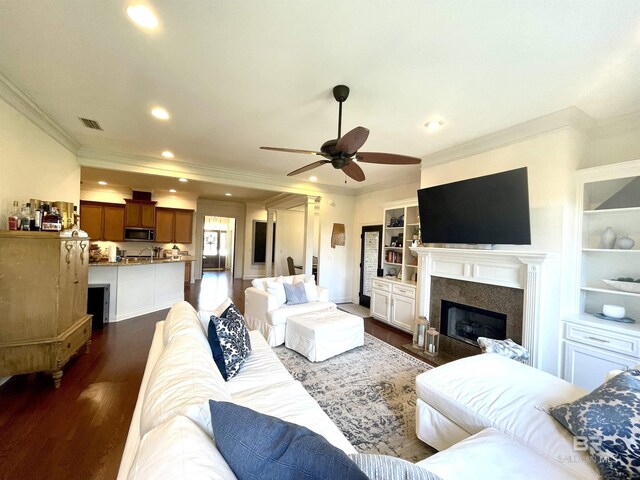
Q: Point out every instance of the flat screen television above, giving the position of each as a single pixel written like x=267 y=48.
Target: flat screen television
x=493 y=209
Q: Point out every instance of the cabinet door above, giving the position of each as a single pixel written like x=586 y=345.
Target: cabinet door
x=132 y=214
x=587 y=366
x=403 y=312
x=91 y=219
x=147 y=215
x=380 y=305
x=187 y=273
x=164 y=225
x=183 y=225
x=113 y=223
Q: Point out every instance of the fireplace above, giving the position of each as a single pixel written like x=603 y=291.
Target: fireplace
x=467 y=323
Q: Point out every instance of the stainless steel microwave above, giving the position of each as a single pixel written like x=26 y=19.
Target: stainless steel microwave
x=138 y=234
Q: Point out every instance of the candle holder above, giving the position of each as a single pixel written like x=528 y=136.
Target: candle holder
x=432 y=341
x=420 y=333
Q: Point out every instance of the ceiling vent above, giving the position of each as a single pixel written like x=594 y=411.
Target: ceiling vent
x=90 y=123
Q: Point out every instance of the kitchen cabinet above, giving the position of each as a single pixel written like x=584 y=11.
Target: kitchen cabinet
x=394 y=302
x=173 y=225
x=43 y=293
x=140 y=213
x=102 y=221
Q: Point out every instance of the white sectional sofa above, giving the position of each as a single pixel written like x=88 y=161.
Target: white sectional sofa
x=170 y=434
x=488 y=417
x=267 y=313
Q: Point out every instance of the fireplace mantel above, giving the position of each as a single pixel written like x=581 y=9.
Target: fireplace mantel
x=508 y=268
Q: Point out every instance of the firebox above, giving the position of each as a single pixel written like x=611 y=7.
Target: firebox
x=467 y=323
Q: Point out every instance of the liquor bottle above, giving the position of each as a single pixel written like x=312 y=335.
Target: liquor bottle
x=76 y=216
x=25 y=217
x=14 y=217
x=52 y=221
x=36 y=218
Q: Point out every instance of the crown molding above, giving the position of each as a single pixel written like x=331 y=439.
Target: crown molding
x=571 y=117
x=23 y=103
x=619 y=125
x=204 y=173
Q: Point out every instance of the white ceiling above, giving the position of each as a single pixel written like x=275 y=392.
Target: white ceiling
x=238 y=75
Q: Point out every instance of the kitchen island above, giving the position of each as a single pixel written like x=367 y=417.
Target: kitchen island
x=140 y=286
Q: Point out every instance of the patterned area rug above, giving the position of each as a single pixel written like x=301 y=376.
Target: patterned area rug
x=369 y=393
x=354 y=309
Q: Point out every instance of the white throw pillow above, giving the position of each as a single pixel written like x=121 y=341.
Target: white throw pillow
x=277 y=288
x=179 y=449
x=182 y=381
x=205 y=315
x=310 y=287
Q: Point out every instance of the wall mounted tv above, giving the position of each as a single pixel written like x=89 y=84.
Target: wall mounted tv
x=493 y=209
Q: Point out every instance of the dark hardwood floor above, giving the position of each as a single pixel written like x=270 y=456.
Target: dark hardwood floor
x=79 y=431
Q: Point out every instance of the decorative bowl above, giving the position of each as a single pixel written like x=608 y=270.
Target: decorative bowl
x=631 y=287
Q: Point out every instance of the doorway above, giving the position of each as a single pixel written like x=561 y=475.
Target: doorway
x=217 y=244
x=370 y=260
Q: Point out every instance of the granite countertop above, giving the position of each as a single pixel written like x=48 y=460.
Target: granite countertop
x=132 y=261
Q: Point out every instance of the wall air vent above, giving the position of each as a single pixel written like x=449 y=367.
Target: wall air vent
x=90 y=123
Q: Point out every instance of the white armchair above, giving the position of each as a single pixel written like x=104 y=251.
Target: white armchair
x=264 y=312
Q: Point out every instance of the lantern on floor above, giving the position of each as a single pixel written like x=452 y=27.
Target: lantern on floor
x=432 y=341
x=420 y=332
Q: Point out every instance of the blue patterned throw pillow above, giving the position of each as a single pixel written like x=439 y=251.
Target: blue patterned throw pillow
x=607 y=423
x=295 y=293
x=259 y=446
x=229 y=341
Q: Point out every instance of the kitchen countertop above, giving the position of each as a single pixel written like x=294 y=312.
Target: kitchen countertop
x=132 y=261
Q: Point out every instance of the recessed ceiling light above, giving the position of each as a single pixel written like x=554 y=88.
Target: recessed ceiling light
x=102 y=182
x=142 y=16
x=172 y=190
x=227 y=194
x=160 y=113
x=168 y=154
x=433 y=125
x=183 y=180
x=313 y=178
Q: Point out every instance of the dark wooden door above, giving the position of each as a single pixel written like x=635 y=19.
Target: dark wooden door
x=370 y=258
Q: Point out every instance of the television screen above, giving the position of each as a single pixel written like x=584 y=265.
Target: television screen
x=493 y=209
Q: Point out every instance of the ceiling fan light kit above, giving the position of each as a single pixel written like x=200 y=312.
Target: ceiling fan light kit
x=341 y=152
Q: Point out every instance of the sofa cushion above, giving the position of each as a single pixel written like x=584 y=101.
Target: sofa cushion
x=493 y=455
x=256 y=445
x=205 y=315
x=295 y=294
x=489 y=390
x=182 y=319
x=607 y=422
x=182 y=381
x=262 y=368
x=179 y=449
x=390 y=468
x=230 y=335
x=279 y=316
x=291 y=402
x=276 y=287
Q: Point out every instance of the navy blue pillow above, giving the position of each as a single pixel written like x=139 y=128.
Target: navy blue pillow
x=262 y=447
x=216 y=349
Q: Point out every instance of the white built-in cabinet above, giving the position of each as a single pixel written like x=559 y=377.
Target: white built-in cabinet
x=607 y=196
x=393 y=296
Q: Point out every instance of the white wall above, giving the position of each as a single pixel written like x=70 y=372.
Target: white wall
x=613 y=148
x=552 y=160
x=33 y=164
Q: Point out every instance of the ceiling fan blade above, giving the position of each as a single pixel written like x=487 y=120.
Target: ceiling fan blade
x=352 y=140
x=353 y=170
x=387 y=158
x=291 y=150
x=308 y=167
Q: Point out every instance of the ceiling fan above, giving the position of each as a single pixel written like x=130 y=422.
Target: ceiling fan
x=341 y=152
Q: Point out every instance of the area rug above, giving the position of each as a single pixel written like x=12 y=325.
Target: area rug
x=354 y=309
x=369 y=393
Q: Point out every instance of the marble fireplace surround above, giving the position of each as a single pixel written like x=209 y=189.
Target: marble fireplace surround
x=522 y=270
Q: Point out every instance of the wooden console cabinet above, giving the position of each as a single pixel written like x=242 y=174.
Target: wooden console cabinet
x=43 y=301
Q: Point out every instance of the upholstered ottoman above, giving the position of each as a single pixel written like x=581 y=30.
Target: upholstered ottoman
x=323 y=334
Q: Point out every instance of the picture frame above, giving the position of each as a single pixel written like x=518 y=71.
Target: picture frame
x=396 y=241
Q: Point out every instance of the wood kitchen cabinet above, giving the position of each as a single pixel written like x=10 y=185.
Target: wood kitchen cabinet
x=140 y=213
x=43 y=293
x=103 y=221
x=173 y=225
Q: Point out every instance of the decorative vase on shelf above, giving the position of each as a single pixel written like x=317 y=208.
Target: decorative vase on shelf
x=608 y=238
x=625 y=243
